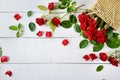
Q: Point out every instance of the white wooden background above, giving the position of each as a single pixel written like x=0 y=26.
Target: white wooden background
x=33 y=58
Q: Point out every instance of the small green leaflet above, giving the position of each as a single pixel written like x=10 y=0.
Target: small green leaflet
x=43 y=8
x=18 y=34
x=29 y=13
x=99 y=68
x=19 y=26
x=66 y=24
x=52 y=26
x=18 y=29
x=70 y=9
x=74 y=3
x=0 y=52
x=83 y=43
x=77 y=28
x=14 y=28
x=32 y=26
x=73 y=19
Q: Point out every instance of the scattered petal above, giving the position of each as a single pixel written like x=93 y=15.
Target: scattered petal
x=93 y=56
x=4 y=59
x=39 y=34
x=9 y=73
x=17 y=16
x=65 y=42
x=48 y=34
x=86 y=57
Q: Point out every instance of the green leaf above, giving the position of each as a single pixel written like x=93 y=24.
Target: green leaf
x=41 y=7
x=14 y=28
x=19 y=26
x=73 y=19
x=65 y=1
x=77 y=28
x=66 y=24
x=113 y=43
x=52 y=26
x=93 y=42
x=70 y=9
x=98 y=47
x=29 y=13
x=64 y=5
x=109 y=33
x=99 y=68
x=74 y=3
x=0 y=52
x=18 y=34
x=82 y=34
x=32 y=26
x=48 y=22
x=83 y=43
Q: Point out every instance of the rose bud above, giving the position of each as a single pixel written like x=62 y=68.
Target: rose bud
x=51 y=6
x=56 y=21
x=40 y=21
x=103 y=56
x=4 y=59
x=93 y=56
x=65 y=42
x=48 y=34
x=113 y=61
x=17 y=16
x=86 y=57
x=9 y=73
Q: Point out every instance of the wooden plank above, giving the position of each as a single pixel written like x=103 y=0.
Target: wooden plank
x=25 y=5
x=7 y=20
x=42 y=50
x=59 y=72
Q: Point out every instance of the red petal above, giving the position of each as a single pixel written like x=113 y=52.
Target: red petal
x=40 y=33
x=4 y=59
x=86 y=57
x=48 y=34
x=17 y=16
x=65 y=42
x=9 y=73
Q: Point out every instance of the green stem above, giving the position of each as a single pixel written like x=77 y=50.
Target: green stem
x=64 y=15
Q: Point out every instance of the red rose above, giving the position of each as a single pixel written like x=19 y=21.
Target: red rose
x=89 y=35
x=4 y=59
x=83 y=26
x=113 y=61
x=83 y=18
x=86 y=57
x=51 y=6
x=91 y=23
x=56 y=21
x=40 y=21
x=92 y=56
x=100 y=37
x=65 y=42
x=103 y=56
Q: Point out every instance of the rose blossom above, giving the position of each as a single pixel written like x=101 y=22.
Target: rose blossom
x=113 y=61
x=103 y=56
x=51 y=6
x=40 y=21
x=56 y=21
